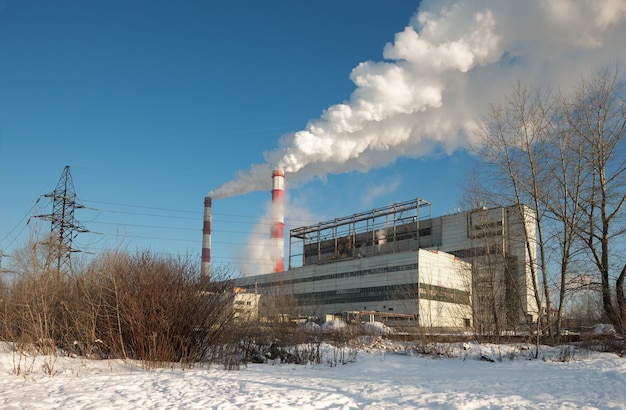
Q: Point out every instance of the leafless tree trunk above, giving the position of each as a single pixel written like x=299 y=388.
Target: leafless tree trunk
x=512 y=144
x=564 y=157
x=596 y=116
x=562 y=199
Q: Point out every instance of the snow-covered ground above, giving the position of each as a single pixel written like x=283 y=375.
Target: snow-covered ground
x=379 y=378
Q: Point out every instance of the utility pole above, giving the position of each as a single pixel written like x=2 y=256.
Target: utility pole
x=2 y=270
x=64 y=227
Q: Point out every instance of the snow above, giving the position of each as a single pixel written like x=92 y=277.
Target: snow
x=333 y=326
x=378 y=328
x=382 y=376
x=604 y=329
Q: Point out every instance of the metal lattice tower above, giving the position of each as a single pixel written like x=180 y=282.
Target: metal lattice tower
x=64 y=226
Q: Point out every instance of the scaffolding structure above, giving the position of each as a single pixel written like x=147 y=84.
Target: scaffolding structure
x=394 y=228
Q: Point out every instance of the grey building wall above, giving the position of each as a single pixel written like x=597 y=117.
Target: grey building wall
x=500 y=243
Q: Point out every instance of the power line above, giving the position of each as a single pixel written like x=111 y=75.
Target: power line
x=144 y=214
x=198 y=213
x=27 y=215
x=222 y=231
x=139 y=206
x=147 y=226
x=179 y=214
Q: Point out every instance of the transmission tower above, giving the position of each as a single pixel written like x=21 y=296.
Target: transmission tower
x=64 y=226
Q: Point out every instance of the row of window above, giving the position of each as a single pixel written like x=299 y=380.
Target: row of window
x=358 y=295
x=331 y=276
x=384 y=293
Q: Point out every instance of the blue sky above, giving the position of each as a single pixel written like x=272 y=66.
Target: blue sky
x=155 y=103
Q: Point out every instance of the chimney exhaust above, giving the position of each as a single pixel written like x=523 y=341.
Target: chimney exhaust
x=278 y=213
x=205 y=268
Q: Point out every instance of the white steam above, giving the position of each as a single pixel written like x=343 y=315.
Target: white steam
x=436 y=80
x=262 y=252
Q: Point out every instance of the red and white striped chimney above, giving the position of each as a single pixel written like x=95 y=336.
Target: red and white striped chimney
x=278 y=213
x=205 y=268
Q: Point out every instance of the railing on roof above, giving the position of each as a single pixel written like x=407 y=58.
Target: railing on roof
x=342 y=238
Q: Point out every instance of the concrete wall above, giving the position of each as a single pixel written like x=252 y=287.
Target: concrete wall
x=495 y=242
x=386 y=283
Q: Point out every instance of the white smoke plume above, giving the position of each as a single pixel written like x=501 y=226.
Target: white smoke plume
x=436 y=79
x=261 y=252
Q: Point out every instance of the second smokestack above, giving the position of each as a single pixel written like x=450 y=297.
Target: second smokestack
x=278 y=215
x=205 y=268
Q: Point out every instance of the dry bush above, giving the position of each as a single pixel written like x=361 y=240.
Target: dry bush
x=33 y=299
x=161 y=313
x=139 y=306
x=281 y=341
x=4 y=311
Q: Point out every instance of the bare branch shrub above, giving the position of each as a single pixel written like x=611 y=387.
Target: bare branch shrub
x=162 y=312
x=139 y=306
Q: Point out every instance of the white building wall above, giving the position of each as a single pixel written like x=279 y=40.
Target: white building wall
x=246 y=306
x=444 y=270
x=386 y=284
x=522 y=243
x=436 y=314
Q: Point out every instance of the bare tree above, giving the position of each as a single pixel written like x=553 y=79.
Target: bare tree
x=35 y=295
x=511 y=143
x=562 y=199
x=564 y=157
x=596 y=118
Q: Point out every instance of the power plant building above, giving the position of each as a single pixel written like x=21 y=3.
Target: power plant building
x=399 y=263
x=385 y=286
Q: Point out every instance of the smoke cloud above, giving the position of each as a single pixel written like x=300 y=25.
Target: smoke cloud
x=436 y=79
x=261 y=252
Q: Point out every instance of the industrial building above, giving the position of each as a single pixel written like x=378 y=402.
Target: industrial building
x=500 y=243
x=245 y=305
x=399 y=263
x=424 y=287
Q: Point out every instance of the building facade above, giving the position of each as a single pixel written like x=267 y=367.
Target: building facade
x=473 y=267
x=428 y=288
x=500 y=243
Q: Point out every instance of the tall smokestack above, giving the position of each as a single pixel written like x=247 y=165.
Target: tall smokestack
x=278 y=214
x=205 y=268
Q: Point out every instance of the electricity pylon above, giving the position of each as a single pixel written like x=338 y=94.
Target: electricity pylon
x=64 y=226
